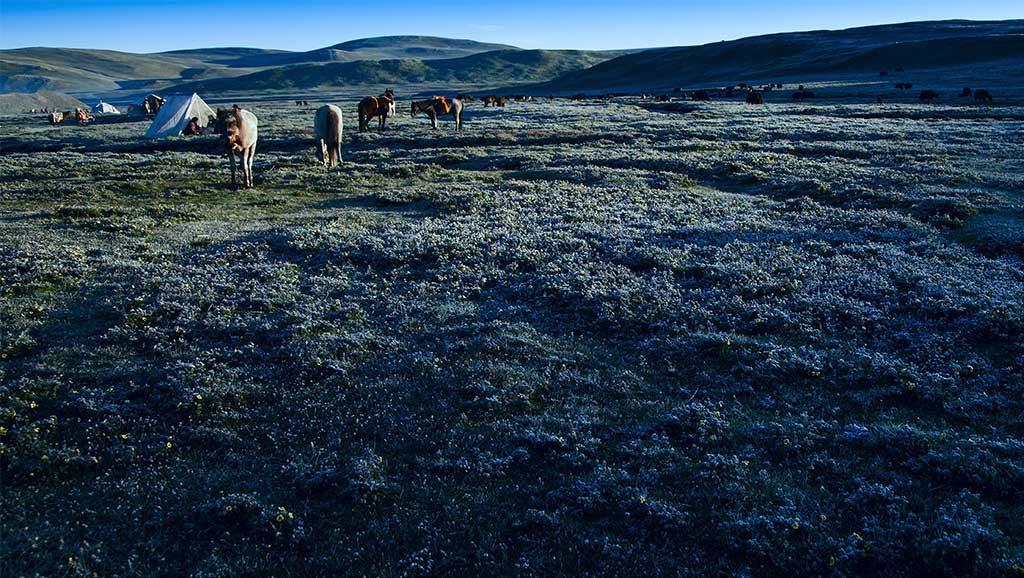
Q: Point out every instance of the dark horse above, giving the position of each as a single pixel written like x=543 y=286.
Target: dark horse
x=380 y=106
x=439 y=106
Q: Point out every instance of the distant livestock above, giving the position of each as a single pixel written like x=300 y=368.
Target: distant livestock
x=755 y=98
x=701 y=95
x=56 y=117
x=465 y=97
x=982 y=95
x=927 y=95
x=238 y=130
x=439 y=106
x=802 y=95
x=327 y=124
x=965 y=92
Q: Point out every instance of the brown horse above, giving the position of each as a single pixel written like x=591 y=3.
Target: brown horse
x=380 y=106
x=489 y=100
x=439 y=106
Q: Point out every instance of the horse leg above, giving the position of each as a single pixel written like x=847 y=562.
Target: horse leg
x=433 y=119
x=231 y=158
x=250 y=154
x=244 y=162
x=323 y=151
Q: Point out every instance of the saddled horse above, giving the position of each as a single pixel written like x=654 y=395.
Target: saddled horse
x=57 y=117
x=381 y=106
x=237 y=128
x=439 y=106
x=327 y=124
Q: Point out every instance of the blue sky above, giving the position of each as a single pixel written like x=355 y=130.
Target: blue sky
x=157 y=25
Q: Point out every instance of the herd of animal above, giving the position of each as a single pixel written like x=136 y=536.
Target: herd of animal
x=238 y=128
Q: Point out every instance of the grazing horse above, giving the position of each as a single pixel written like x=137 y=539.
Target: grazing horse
x=439 y=106
x=237 y=128
x=380 y=106
x=754 y=97
x=494 y=100
x=927 y=95
x=327 y=124
x=701 y=95
x=982 y=95
x=465 y=97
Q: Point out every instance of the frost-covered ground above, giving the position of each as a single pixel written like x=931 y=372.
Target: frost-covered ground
x=575 y=339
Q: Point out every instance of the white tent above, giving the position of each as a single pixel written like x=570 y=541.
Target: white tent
x=175 y=114
x=105 y=108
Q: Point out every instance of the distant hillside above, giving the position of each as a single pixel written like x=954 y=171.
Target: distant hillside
x=86 y=70
x=16 y=103
x=805 y=55
x=75 y=69
x=213 y=55
x=380 y=48
x=495 y=67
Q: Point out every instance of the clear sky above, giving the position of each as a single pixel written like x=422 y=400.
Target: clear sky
x=158 y=25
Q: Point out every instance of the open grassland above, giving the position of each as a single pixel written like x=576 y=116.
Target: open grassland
x=574 y=339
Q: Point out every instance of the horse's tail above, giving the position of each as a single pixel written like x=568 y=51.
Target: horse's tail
x=362 y=117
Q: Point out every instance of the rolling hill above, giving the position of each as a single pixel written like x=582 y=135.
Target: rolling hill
x=78 y=69
x=805 y=56
x=379 y=48
x=86 y=70
x=15 y=103
x=494 y=67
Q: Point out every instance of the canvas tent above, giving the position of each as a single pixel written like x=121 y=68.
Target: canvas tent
x=175 y=114
x=105 y=108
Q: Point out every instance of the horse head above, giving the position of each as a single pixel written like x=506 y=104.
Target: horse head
x=414 y=109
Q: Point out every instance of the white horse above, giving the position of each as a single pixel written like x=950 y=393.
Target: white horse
x=238 y=128
x=327 y=124
x=439 y=106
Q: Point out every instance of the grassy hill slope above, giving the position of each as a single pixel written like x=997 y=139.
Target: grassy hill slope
x=379 y=48
x=15 y=103
x=490 y=67
x=807 y=54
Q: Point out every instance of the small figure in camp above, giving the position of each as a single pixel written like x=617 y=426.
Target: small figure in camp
x=192 y=128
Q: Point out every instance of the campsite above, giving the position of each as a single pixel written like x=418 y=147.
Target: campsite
x=605 y=336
